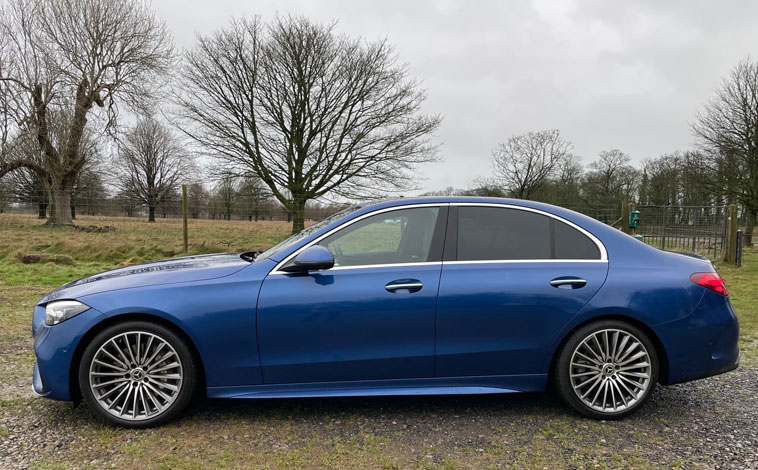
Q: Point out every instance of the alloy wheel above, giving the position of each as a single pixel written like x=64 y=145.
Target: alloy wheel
x=136 y=375
x=610 y=370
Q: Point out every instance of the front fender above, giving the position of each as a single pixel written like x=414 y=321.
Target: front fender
x=219 y=317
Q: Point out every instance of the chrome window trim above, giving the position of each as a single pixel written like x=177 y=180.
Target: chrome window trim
x=511 y=261
x=350 y=222
x=598 y=243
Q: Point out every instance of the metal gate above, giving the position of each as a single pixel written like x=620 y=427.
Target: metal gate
x=694 y=229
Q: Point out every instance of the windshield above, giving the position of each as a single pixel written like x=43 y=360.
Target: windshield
x=304 y=233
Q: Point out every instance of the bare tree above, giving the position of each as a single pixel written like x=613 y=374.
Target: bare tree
x=197 y=200
x=727 y=128
x=253 y=194
x=224 y=196
x=151 y=163
x=523 y=163
x=59 y=60
x=611 y=179
x=307 y=111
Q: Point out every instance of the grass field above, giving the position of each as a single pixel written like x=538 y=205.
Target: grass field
x=384 y=433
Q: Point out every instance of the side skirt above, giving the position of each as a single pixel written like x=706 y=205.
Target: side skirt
x=427 y=386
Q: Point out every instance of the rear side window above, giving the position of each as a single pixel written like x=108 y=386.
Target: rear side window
x=570 y=243
x=492 y=233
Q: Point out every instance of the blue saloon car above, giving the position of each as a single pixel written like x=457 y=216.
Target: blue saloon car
x=444 y=295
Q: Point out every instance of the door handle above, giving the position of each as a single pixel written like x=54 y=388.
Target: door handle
x=411 y=285
x=568 y=282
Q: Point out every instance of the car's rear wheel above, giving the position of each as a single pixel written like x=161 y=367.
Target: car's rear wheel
x=137 y=374
x=607 y=369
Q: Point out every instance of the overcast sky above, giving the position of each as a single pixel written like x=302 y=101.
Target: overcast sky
x=608 y=74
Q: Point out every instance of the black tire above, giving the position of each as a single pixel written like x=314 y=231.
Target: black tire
x=187 y=371
x=607 y=372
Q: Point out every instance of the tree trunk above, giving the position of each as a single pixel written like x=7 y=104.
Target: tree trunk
x=73 y=212
x=42 y=210
x=60 y=206
x=298 y=214
x=749 y=226
x=151 y=214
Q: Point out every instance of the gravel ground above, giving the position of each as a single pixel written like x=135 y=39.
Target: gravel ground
x=711 y=423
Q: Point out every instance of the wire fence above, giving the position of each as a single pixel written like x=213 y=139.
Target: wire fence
x=235 y=207
x=694 y=229
x=697 y=229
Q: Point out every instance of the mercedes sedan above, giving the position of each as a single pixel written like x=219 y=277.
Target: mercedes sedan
x=404 y=297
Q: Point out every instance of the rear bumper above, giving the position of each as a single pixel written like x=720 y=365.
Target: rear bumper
x=703 y=344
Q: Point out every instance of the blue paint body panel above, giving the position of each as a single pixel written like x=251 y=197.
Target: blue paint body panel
x=343 y=325
x=472 y=328
x=500 y=318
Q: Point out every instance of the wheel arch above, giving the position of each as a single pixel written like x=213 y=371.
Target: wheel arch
x=73 y=379
x=663 y=369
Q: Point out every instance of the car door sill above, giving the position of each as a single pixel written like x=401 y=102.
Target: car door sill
x=425 y=386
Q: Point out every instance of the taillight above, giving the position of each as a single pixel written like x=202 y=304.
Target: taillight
x=710 y=281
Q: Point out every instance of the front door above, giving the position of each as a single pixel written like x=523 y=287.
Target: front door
x=372 y=316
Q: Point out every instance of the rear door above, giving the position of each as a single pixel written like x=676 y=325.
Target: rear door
x=511 y=279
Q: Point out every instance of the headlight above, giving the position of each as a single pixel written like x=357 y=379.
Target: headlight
x=62 y=310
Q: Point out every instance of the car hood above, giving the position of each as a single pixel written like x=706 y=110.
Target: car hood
x=186 y=269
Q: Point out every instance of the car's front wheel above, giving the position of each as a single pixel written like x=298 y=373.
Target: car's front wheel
x=607 y=369
x=137 y=374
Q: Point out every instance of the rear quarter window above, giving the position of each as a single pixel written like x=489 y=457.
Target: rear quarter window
x=570 y=243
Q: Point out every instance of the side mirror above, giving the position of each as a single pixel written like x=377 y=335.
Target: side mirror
x=313 y=258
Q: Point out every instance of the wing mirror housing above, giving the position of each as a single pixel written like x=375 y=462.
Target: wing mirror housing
x=313 y=258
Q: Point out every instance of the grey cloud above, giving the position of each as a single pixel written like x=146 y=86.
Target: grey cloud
x=629 y=75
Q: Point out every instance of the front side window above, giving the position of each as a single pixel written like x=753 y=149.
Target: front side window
x=400 y=236
x=493 y=233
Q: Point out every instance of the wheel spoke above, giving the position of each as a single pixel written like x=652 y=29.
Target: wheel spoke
x=110 y=392
x=622 y=384
x=110 y=382
x=607 y=346
x=136 y=354
x=594 y=361
x=615 y=344
x=147 y=349
x=112 y=366
x=173 y=365
x=615 y=385
x=156 y=363
x=641 y=365
x=641 y=375
x=633 y=358
x=120 y=353
x=628 y=351
x=589 y=390
x=163 y=384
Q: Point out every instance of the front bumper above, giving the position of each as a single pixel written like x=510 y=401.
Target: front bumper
x=55 y=347
x=703 y=344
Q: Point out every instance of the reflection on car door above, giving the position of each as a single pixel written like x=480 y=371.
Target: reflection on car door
x=372 y=316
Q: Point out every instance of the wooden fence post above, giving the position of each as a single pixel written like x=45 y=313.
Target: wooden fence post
x=729 y=254
x=625 y=218
x=184 y=215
